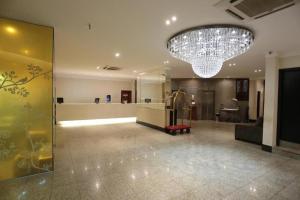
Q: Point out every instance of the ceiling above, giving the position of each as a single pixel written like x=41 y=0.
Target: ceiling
x=137 y=30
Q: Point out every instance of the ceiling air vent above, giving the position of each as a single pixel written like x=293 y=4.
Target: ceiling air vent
x=111 y=68
x=233 y=14
x=253 y=9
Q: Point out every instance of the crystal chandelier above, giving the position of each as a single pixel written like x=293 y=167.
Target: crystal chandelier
x=206 y=48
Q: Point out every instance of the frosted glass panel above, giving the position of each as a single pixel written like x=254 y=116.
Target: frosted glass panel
x=25 y=99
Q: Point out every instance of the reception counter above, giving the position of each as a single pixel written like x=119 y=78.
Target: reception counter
x=73 y=114
x=153 y=115
x=87 y=111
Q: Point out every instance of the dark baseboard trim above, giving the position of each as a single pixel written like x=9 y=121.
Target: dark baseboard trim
x=266 y=148
x=242 y=140
x=151 y=126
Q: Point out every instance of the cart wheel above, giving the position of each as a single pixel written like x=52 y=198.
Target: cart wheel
x=181 y=131
x=188 y=130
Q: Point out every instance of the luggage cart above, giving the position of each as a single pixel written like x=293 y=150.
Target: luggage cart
x=179 y=105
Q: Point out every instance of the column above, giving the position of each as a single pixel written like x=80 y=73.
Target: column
x=271 y=100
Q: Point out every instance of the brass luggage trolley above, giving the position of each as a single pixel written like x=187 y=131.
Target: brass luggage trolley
x=178 y=102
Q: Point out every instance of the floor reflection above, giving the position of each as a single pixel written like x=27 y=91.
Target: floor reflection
x=130 y=161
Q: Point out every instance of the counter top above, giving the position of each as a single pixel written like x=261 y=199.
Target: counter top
x=229 y=109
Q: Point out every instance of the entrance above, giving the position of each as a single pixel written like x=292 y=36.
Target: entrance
x=288 y=106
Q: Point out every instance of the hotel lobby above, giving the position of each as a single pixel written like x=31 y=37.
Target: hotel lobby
x=149 y=100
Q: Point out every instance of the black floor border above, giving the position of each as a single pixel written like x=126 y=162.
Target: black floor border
x=151 y=126
x=266 y=148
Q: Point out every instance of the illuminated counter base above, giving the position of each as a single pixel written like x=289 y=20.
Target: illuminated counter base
x=81 y=114
x=88 y=111
x=152 y=115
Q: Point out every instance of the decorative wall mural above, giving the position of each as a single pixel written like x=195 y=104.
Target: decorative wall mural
x=11 y=82
x=25 y=99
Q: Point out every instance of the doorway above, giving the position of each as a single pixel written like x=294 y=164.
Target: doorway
x=126 y=96
x=207 y=102
x=288 y=106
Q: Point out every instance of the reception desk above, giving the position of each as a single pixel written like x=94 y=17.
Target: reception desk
x=230 y=114
x=87 y=111
x=77 y=114
x=152 y=114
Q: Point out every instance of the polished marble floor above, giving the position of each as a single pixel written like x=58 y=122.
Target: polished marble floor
x=130 y=161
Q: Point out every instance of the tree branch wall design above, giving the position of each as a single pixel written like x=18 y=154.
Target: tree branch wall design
x=11 y=82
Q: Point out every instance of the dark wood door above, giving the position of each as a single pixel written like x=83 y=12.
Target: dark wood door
x=258 y=105
x=126 y=96
x=242 y=89
x=289 y=106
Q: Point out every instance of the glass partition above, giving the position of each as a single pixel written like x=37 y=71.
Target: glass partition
x=151 y=87
x=25 y=99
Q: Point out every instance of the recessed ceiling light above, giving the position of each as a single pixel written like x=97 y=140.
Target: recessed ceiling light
x=141 y=74
x=166 y=62
x=174 y=18
x=117 y=55
x=98 y=67
x=230 y=64
x=168 y=22
x=255 y=70
x=259 y=70
x=26 y=51
x=234 y=64
x=134 y=71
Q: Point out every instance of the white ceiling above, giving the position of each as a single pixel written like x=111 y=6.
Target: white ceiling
x=136 y=29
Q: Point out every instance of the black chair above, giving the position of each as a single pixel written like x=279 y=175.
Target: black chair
x=250 y=133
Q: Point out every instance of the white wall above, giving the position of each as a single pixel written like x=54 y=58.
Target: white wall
x=150 y=89
x=273 y=64
x=80 y=90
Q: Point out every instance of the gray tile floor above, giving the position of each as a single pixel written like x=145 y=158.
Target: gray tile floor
x=130 y=161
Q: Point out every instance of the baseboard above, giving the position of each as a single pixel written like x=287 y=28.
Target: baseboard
x=151 y=126
x=266 y=148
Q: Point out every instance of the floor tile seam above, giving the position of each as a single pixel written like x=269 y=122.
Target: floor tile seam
x=80 y=193
x=277 y=192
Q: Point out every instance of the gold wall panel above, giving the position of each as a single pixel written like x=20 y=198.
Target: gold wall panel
x=26 y=124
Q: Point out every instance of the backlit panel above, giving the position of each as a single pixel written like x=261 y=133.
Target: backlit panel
x=25 y=98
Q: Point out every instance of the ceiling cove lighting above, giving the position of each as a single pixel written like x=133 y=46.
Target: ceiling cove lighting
x=207 y=47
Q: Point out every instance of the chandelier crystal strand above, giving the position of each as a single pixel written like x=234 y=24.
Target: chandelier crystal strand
x=206 y=48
